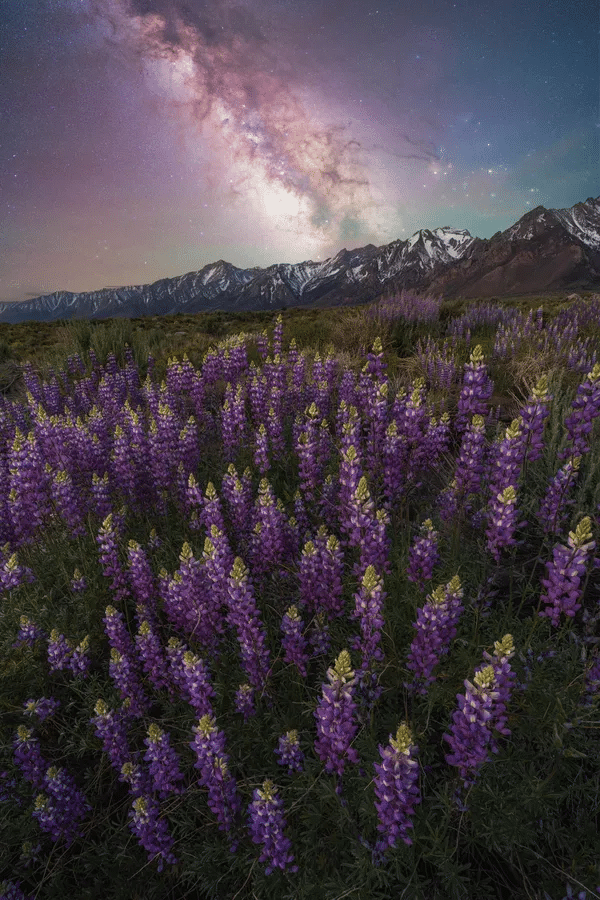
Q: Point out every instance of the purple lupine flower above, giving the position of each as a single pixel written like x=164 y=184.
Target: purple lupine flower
x=321 y=570
x=188 y=446
x=262 y=344
x=78 y=583
x=477 y=388
x=212 y=761
x=533 y=416
x=59 y=652
x=334 y=715
x=152 y=655
x=349 y=478
x=42 y=708
x=553 y=508
x=111 y=728
x=310 y=463
x=375 y=367
x=100 y=492
x=319 y=637
x=376 y=544
x=107 y=540
x=436 y=628
x=245 y=616
x=68 y=503
x=288 y=752
x=195 y=682
x=505 y=470
x=437 y=440
x=129 y=460
x=257 y=394
x=395 y=454
x=152 y=830
x=471 y=735
x=189 y=602
x=586 y=408
x=296 y=393
x=261 y=450
x=30 y=853
x=470 y=462
x=122 y=468
x=367 y=691
x=423 y=555
x=347 y=389
x=366 y=529
x=163 y=442
x=505 y=682
x=116 y=630
x=80 y=661
x=154 y=542
x=359 y=514
x=141 y=578
x=244 y=701
x=301 y=516
x=277 y=335
x=396 y=789
x=181 y=595
x=137 y=777
x=61 y=811
x=212 y=511
x=294 y=642
x=348 y=425
x=163 y=763
x=292 y=542
x=376 y=410
x=502 y=521
x=267 y=826
x=28 y=633
x=275 y=423
x=565 y=573
x=268 y=545
x=175 y=652
x=11 y=890
x=368 y=609
x=328 y=503
x=12 y=574
x=468 y=472
x=28 y=757
x=233 y=421
x=123 y=673
x=28 y=487
x=413 y=425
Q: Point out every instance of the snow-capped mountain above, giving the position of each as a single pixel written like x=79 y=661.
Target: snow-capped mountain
x=544 y=251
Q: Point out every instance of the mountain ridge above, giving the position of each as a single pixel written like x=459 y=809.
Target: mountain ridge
x=545 y=250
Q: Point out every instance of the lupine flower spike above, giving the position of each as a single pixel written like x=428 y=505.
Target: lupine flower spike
x=396 y=789
x=289 y=753
x=482 y=708
x=565 y=573
x=267 y=826
x=335 y=716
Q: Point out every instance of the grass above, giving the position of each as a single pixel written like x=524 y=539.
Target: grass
x=528 y=827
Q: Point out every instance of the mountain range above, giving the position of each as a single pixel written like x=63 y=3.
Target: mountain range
x=546 y=250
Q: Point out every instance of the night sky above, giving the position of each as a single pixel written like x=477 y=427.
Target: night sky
x=141 y=139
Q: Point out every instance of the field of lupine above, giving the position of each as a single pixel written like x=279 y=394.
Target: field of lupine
x=290 y=625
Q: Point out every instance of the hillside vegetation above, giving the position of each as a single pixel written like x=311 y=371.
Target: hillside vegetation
x=302 y=606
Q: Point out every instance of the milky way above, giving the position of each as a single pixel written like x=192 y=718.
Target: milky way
x=142 y=139
x=214 y=61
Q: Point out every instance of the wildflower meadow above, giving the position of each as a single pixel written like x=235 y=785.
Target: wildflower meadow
x=283 y=622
